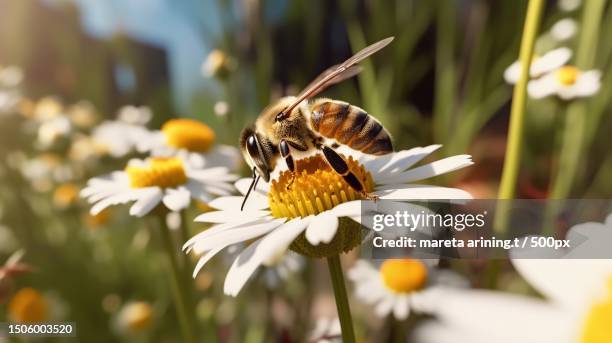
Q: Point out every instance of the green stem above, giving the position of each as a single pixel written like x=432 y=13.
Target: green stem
x=517 y=116
x=576 y=116
x=342 y=304
x=178 y=291
x=576 y=112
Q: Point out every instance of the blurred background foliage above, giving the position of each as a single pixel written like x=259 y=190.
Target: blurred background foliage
x=441 y=81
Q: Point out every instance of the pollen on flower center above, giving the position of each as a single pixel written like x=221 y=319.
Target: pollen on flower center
x=597 y=325
x=403 y=276
x=316 y=188
x=188 y=134
x=160 y=172
x=568 y=75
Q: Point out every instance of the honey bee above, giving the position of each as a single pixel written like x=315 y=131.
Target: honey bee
x=299 y=125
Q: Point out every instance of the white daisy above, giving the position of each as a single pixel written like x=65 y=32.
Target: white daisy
x=567 y=82
x=149 y=182
x=191 y=140
x=540 y=65
x=117 y=137
x=392 y=287
x=319 y=215
x=578 y=305
x=50 y=131
x=135 y=115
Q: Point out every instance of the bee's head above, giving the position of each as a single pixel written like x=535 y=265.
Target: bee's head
x=258 y=152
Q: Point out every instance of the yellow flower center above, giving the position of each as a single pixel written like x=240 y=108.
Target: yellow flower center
x=188 y=134
x=28 y=306
x=317 y=188
x=568 y=75
x=403 y=276
x=160 y=171
x=597 y=326
x=65 y=195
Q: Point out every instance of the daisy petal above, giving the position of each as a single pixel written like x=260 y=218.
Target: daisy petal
x=233 y=203
x=415 y=192
x=147 y=201
x=322 y=228
x=177 y=199
x=236 y=235
x=230 y=216
x=253 y=256
x=204 y=259
x=439 y=167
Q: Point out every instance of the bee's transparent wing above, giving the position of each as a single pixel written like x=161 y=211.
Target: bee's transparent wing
x=337 y=73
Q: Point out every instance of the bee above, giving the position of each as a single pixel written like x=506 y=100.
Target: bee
x=299 y=125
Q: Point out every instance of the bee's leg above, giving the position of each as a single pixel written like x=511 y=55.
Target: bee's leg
x=339 y=165
x=285 y=151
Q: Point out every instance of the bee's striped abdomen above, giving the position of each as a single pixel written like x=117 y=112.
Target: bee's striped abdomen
x=350 y=125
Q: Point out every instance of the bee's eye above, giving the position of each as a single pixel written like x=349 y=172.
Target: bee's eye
x=251 y=145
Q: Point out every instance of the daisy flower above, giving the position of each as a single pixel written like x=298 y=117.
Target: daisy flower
x=149 y=182
x=191 y=140
x=540 y=65
x=567 y=82
x=392 y=287
x=578 y=305
x=320 y=214
x=117 y=137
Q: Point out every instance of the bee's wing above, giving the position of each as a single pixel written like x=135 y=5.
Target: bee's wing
x=337 y=73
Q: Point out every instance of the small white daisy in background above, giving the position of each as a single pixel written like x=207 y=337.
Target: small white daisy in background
x=52 y=130
x=120 y=137
x=326 y=330
x=540 y=65
x=45 y=170
x=577 y=306
x=567 y=82
x=47 y=108
x=392 y=286
x=569 y=5
x=564 y=29
x=83 y=115
x=320 y=215
x=135 y=115
x=191 y=140
x=170 y=181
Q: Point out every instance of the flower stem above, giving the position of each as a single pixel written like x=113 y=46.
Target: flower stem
x=517 y=115
x=177 y=289
x=342 y=304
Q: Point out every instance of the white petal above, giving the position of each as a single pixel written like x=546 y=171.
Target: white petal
x=253 y=256
x=322 y=228
x=230 y=216
x=401 y=309
x=233 y=203
x=550 y=61
x=196 y=189
x=146 y=202
x=385 y=306
x=405 y=159
x=347 y=209
x=439 y=167
x=177 y=199
x=572 y=283
x=239 y=234
x=545 y=86
x=204 y=259
x=115 y=199
x=512 y=73
x=498 y=317
x=564 y=29
x=414 y=192
x=243 y=186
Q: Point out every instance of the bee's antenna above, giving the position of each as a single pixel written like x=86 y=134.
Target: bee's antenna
x=253 y=185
